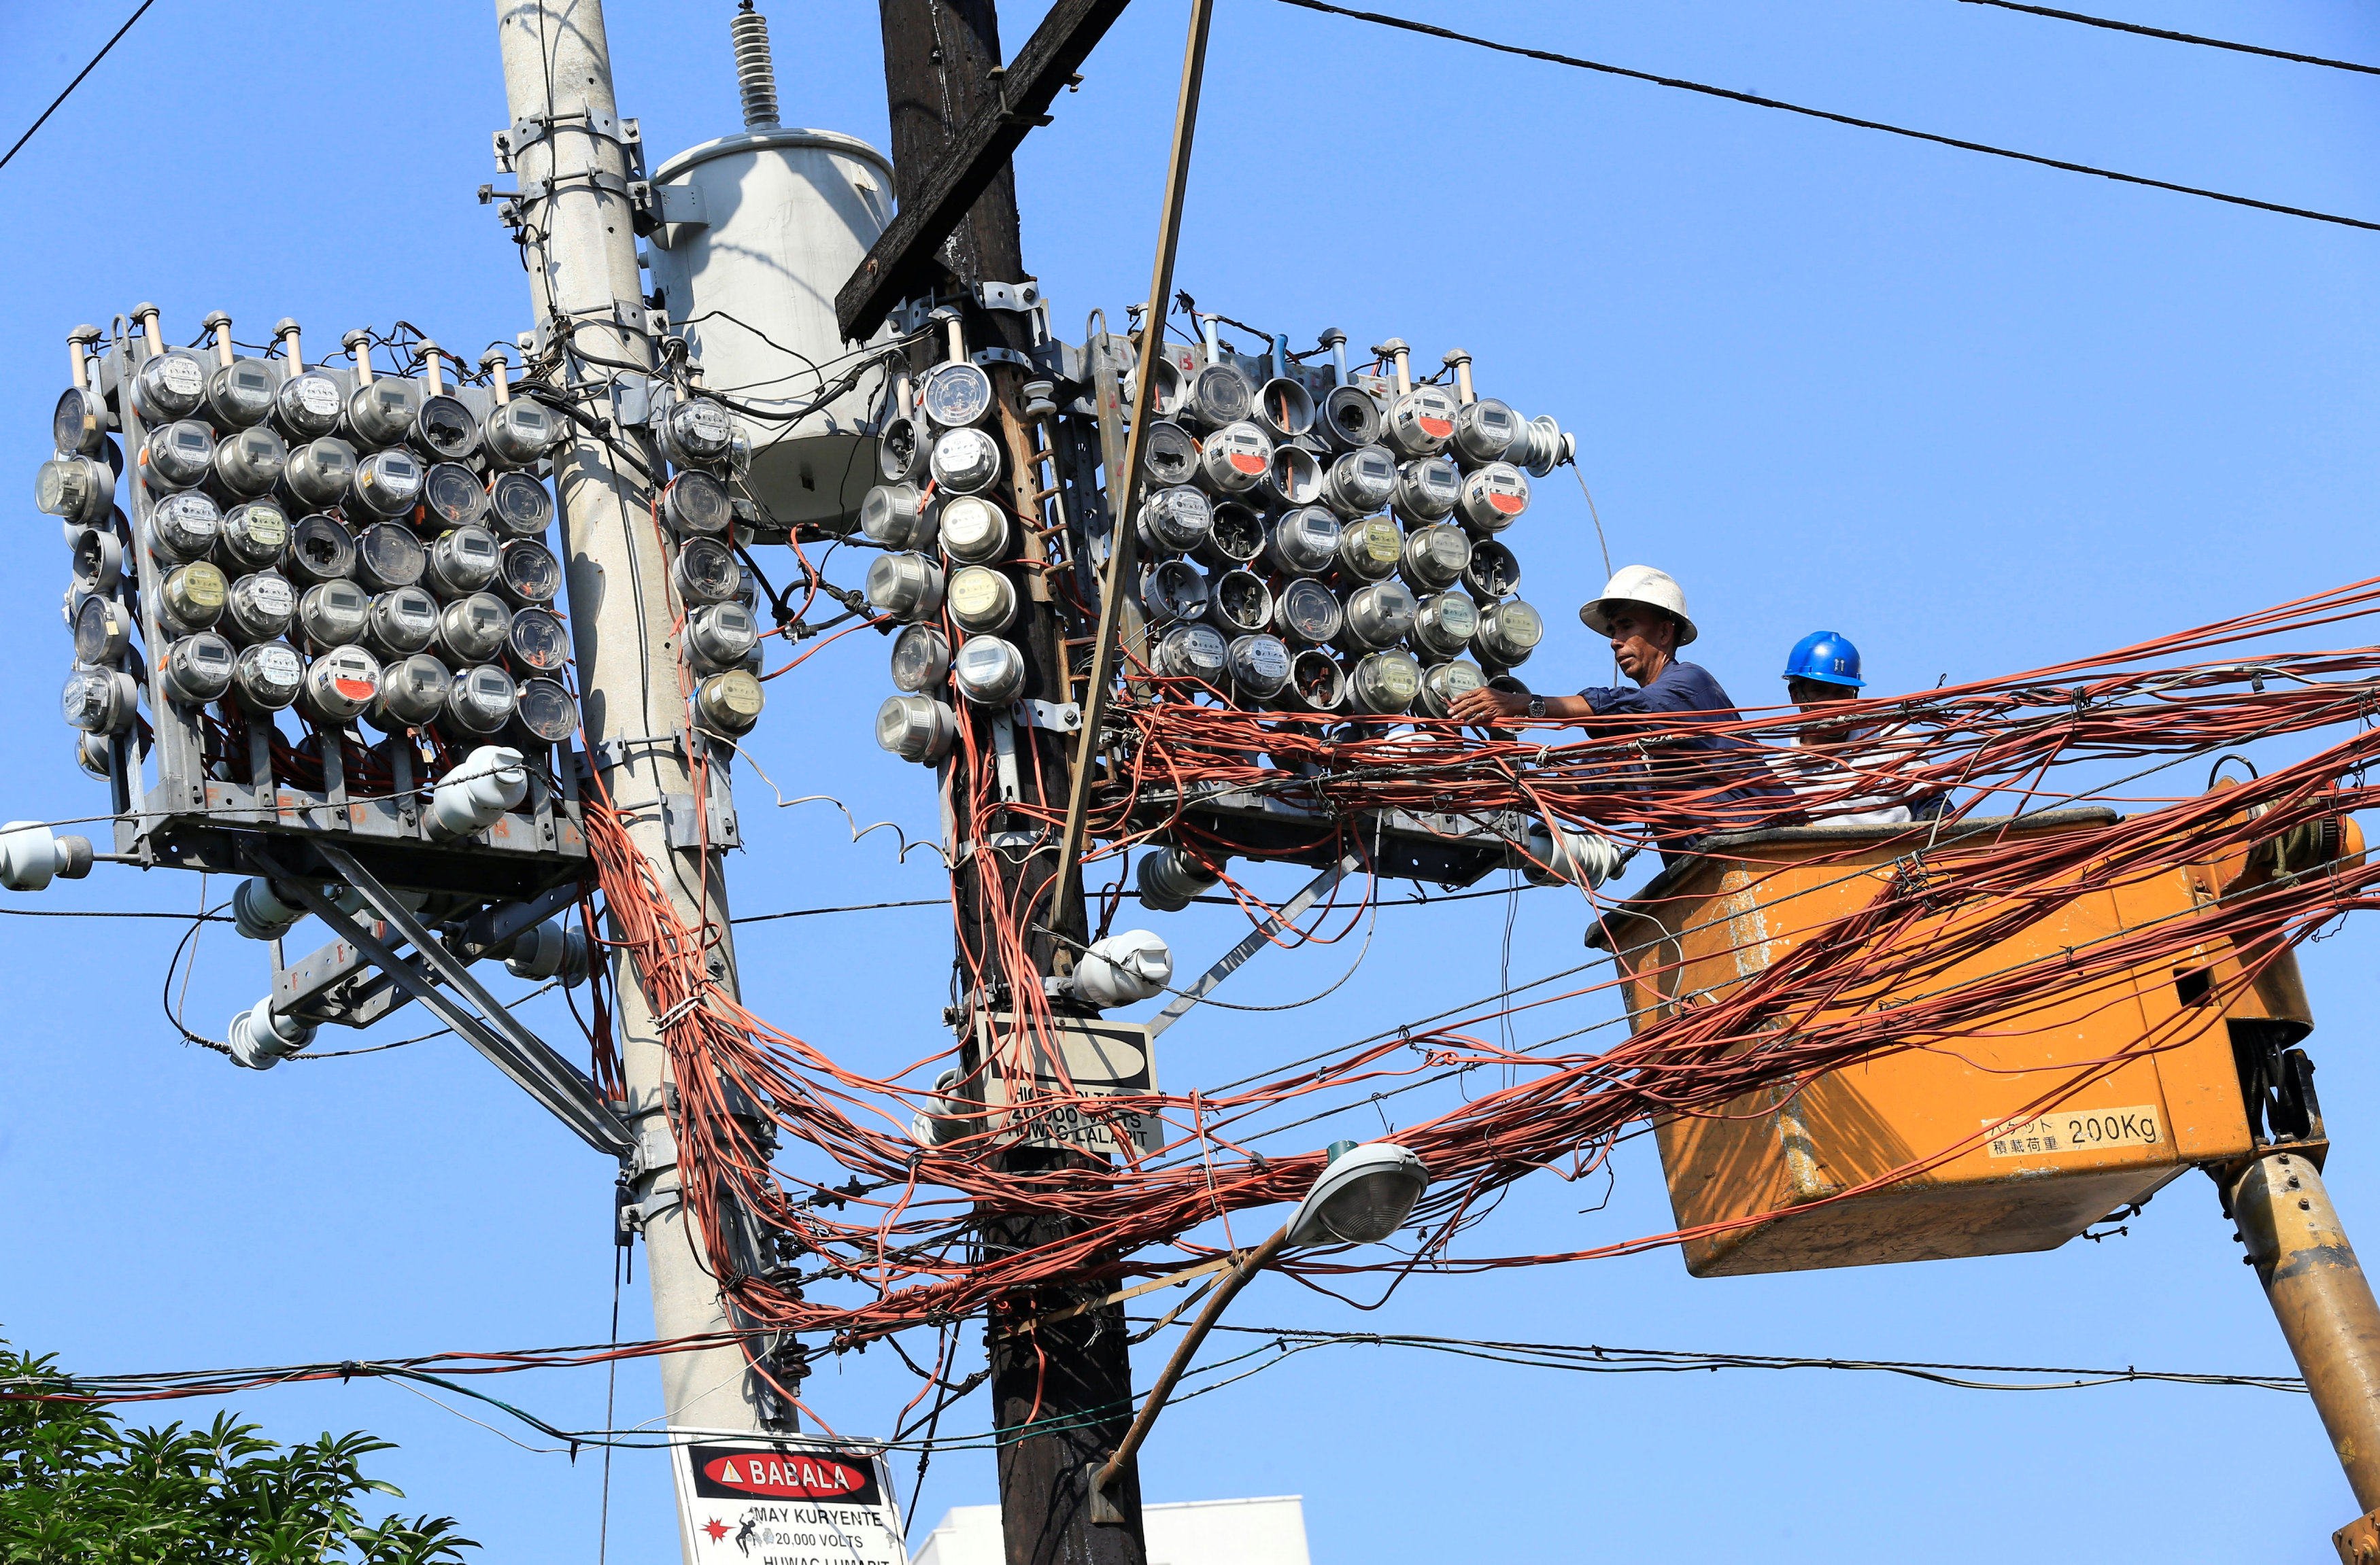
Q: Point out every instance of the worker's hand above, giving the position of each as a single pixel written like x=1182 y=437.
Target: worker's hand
x=1485 y=706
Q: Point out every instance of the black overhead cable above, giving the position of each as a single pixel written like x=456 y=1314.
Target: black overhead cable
x=2114 y=26
x=1550 y=57
x=75 y=83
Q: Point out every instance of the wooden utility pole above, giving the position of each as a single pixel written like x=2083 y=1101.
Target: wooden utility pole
x=1071 y=1379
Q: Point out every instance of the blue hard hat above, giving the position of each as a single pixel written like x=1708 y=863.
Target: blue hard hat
x=1827 y=656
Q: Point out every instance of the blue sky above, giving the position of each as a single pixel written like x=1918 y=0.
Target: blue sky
x=1977 y=416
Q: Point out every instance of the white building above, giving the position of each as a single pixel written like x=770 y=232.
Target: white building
x=1197 y=1532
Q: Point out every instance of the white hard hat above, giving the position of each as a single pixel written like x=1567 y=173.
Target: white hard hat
x=1640 y=583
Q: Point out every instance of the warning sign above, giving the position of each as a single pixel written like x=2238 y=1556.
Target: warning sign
x=1100 y=1059
x=782 y=1499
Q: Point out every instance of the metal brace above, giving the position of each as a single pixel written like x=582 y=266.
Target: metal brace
x=995 y=842
x=1058 y=718
x=991 y=356
x=1021 y=298
x=632 y=400
x=1003 y=749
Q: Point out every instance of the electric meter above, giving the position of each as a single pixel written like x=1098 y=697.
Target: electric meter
x=1172 y=590
x=264 y=677
x=543 y=711
x=1175 y=520
x=1494 y=570
x=519 y=505
x=717 y=635
x=453 y=495
x=472 y=630
x=1349 y=420
x=177 y=455
x=696 y=502
x=253 y=535
x=966 y=460
x=444 y=429
x=706 y=572
x=169 y=385
x=1258 y=666
x=1284 y=407
x=1384 y=683
x=1316 y=682
x=1361 y=481
x=1235 y=537
x=1435 y=557
x=1508 y=633
x=907 y=586
x=1369 y=550
x=412 y=692
x=897 y=516
x=973 y=530
x=1239 y=603
x=921 y=659
x=388 y=555
x=96 y=755
x=1379 y=615
x=339 y=684
x=1192 y=651
x=332 y=613
x=305 y=405
x=1485 y=430
x=184 y=527
x=240 y=394
x=955 y=394
x=520 y=431
x=192 y=597
x=1305 y=610
x=462 y=563
x=1292 y=478
x=900 y=451
x=319 y=472
x=197 y=669
x=321 y=550
x=695 y=432
x=1443 y=682
x=1235 y=458
x=916 y=728
x=1214 y=396
x=98 y=560
x=1443 y=625
x=1168 y=454
x=78 y=423
x=259 y=608
x=482 y=700
x=401 y=622
x=988 y=671
x=981 y=600
x=1427 y=489
x=1164 y=389
x=99 y=700
x=1422 y=421
x=527 y=572
x=380 y=411
x=388 y=484
x=728 y=702
x=1492 y=497
x=102 y=632
x=79 y=488
x=538 y=643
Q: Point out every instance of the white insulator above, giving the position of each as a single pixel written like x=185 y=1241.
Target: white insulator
x=756 y=73
x=930 y=1129
x=1563 y=856
x=1124 y=969
x=260 y=913
x=475 y=794
x=260 y=1035
x=549 y=950
x=30 y=854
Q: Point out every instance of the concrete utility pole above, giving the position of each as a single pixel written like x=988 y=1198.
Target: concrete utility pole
x=573 y=176
x=941 y=60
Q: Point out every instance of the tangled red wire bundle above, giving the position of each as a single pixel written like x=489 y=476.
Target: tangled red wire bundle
x=903 y=1255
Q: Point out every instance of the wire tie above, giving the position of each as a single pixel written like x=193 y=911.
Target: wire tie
x=678 y=1013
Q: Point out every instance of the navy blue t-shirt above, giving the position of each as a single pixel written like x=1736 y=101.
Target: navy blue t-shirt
x=1689 y=689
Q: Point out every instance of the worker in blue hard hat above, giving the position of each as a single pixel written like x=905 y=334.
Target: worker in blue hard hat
x=1823 y=759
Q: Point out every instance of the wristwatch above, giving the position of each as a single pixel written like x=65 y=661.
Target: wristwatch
x=1536 y=706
